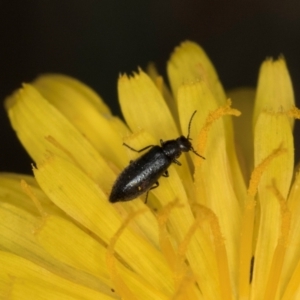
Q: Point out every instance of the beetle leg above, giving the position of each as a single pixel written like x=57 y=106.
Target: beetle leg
x=156 y=184
x=175 y=161
x=161 y=142
x=143 y=149
x=166 y=174
x=146 y=197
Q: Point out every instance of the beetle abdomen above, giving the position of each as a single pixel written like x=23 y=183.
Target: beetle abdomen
x=140 y=175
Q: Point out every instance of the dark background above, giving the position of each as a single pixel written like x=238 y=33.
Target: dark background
x=96 y=40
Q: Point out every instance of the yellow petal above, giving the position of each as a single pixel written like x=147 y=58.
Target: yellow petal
x=20 y=220
x=88 y=255
x=293 y=250
x=197 y=96
x=243 y=99
x=22 y=279
x=215 y=187
x=41 y=127
x=272 y=130
x=81 y=198
x=164 y=90
x=275 y=90
x=19 y=212
x=144 y=108
x=189 y=63
x=85 y=110
x=50 y=83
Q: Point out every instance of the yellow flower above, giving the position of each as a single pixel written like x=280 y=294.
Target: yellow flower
x=222 y=228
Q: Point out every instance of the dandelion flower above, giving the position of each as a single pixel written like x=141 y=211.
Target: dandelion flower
x=221 y=228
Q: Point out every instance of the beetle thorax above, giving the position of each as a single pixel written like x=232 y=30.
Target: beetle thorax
x=173 y=148
x=184 y=144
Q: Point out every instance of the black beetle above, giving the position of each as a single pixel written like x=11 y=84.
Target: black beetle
x=142 y=174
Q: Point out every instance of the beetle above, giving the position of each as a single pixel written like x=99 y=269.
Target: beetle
x=142 y=174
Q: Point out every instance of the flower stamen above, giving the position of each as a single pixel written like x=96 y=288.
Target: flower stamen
x=293 y=285
x=259 y=170
x=119 y=284
x=294 y=113
x=27 y=189
x=247 y=225
x=211 y=118
x=164 y=240
x=280 y=250
x=221 y=254
x=185 y=289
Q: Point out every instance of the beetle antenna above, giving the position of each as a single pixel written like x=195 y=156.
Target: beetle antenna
x=194 y=151
x=189 y=128
x=188 y=136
